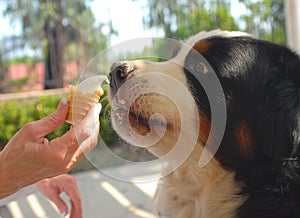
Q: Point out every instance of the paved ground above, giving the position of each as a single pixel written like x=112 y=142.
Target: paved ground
x=103 y=197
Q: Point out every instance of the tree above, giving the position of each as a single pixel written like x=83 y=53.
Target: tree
x=180 y=19
x=265 y=19
x=55 y=46
x=202 y=19
x=66 y=28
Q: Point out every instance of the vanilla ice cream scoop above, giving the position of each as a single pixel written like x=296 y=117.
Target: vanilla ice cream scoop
x=91 y=84
x=84 y=96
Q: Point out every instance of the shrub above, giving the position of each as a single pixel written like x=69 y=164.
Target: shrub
x=13 y=115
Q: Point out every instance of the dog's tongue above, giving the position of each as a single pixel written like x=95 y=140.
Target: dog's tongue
x=92 y=84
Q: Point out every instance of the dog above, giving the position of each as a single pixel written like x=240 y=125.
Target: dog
x=254 y=170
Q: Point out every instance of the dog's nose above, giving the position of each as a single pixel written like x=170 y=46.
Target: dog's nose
x=118 y=73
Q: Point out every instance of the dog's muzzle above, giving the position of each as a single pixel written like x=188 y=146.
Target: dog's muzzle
x=118 y=73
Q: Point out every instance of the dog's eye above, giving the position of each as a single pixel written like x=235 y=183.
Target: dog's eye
x=201 y=68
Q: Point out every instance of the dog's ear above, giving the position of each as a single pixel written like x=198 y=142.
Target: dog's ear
x=293 y=70
x=282 y=88
x=282 y=108
x=293 y=74
x=197 y=71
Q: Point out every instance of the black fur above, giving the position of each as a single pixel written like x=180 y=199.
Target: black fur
x=261 y=83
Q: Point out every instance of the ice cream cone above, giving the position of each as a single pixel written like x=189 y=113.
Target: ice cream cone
x=81 y=99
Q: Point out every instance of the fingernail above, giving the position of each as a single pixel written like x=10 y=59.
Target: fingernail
x=62 y=103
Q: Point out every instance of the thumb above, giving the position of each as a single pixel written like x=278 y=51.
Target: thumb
x=54 y=120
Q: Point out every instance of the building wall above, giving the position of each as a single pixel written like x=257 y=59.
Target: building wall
x=24 y=77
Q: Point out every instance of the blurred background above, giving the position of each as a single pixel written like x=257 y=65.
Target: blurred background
x=46 y=44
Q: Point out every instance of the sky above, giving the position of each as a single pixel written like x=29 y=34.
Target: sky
x=126 y=17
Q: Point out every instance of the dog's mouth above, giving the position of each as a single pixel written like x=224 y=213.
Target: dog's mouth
x=142 y=117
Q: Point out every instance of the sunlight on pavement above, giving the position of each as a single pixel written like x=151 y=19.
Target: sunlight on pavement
x=36 y=206
x=119 y=197
x=147 y=188
x=15 y=209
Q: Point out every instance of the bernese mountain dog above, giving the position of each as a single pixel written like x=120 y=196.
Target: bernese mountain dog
x=255 y=170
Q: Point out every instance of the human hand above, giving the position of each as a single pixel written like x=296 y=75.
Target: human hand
x=29 y=157
x=53 y=187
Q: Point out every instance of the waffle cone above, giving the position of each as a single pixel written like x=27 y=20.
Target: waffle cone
x=80 y=103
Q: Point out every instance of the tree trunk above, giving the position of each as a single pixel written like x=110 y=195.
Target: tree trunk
x=54 y=63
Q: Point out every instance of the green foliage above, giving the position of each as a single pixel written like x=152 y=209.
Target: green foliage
x=202 y=19
x=13 y=115
x=20 y=60
x=18 y=83
x=168 y=15
x=265 y=19
x=181 y=19
x=106 y=131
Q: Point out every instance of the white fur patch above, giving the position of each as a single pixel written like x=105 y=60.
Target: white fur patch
x=190 y=42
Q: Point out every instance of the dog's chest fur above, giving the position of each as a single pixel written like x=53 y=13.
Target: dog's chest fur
x=198 y=192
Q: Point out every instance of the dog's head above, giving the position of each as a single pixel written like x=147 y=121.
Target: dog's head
x=260 y=90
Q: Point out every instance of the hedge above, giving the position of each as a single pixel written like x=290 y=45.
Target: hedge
x=13 y=115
